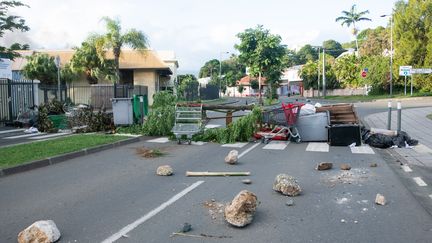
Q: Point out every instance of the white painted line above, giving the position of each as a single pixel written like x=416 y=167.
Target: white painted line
x=209 y=126
x=51 y=135
x=419 y=181
x=318 y=147
x=12 y=130
x=26 y=135
x=276 y=145
x=248 y=150
x=422 y=149
x=130 y=227
x=199 y=143
x=234 y=145
x=158 y=140
x=364 y=149
x=430 y=196
x=406 y=168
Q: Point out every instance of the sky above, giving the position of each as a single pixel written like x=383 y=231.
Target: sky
x=196 y=30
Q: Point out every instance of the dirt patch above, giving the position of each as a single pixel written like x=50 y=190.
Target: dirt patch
x=354 y=176
x=150 y=153
x=215 y=209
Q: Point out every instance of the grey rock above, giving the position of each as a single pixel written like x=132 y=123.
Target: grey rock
x=290 y=202
x=380 y=200
x=324 y=166
x=345 y=167
x=232 y=157
x=286 y=185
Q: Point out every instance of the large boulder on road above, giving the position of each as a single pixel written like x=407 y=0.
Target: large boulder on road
x=241 y=210
x=164 y=170
x=43 y=231
x=286 y=185
x=232 y=157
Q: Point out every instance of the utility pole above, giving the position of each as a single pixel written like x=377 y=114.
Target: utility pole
x=324 y=78
x=57 y=61
x=318 y=84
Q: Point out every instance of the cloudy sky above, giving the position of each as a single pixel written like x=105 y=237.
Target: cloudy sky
x=197 y=30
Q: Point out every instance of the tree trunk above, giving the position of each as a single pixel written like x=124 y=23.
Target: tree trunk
x=116 y=52
x=259 y=88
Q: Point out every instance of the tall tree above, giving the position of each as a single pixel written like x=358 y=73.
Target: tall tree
x=376 y=41
x=41 y=67
x=307 y=53
x=115 y=40
x=260 y=51
x=351 y=17
x=10 y=22
x=91 y=62
x=210 y=69
x=333 y=48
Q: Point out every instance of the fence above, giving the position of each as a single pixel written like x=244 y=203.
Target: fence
x=97 y=95
x=15 y=97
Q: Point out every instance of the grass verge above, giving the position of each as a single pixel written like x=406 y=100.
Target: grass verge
x=22 y=153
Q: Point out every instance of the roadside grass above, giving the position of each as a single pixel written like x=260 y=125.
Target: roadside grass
x=429 y=116
x=354 y=98
x=22 y=153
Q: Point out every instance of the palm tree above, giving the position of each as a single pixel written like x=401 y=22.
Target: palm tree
x=114 y=40
x=352 y=17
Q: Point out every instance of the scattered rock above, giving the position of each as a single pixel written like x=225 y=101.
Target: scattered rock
x=345 y=167
x=241 y=210
x=215 y=208
x=380 y=199
x=373 y=165
x=343 y=221
x=232 y=157
x=186 y=228
x=246 y=181
x=149 y=153
x=355 y=221
x=290 y=202
x=164 y=170
x=43 y=231
x=324 y=166
x=286 y=185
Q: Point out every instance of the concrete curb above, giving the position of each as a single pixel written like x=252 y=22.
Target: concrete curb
x=64 y=157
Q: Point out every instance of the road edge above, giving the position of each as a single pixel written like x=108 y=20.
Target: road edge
x=64 y=157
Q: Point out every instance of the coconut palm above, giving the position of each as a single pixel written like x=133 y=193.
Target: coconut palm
x=114 y=40
x=351 y=18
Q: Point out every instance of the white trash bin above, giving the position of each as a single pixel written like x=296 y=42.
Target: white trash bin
x=122 y=111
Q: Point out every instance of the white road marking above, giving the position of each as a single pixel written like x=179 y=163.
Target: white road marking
x=406 y=168
x=51 y=135
x=209 y=126
x=318 y=147
x=422 y=149
x=12 y=130
x=25 y=136
x=276 y=145
x=248 y=150
x=234 y=145
x=132 y=226
x=364 y=149
x=419 y=181
x=158 y=140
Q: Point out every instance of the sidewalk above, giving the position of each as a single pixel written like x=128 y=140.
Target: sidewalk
x=417 y=125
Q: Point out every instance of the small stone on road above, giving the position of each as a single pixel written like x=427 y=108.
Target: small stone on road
x=324 y=166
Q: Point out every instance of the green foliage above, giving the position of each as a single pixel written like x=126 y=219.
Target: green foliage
x=260 y=50
x=240 y=88
x=161 y=118
x=42 y=67
x=347 y=70
x=44 y=123
x=67 y=74
x=11 y=23
x=239 y=131
x=254 y=84
x=333 y=48
x=91 y=121
x=375 y=41
x=115 y=40
x=188 y=87
x=307 y=53
x=413 y=39
x=378 y=74
x=210 y=69
x=132 y=129
x=309 y=74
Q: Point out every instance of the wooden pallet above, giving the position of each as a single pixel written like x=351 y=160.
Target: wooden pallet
x=340 y=113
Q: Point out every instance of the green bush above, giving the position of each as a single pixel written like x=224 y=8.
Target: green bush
x=161 y=119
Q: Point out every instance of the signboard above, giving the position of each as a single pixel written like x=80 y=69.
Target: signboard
x=5 y=68
x=363 y=74
x=405 y=70
x=421 y=70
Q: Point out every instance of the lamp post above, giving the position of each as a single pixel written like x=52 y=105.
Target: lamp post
x=220 y=68
x=391 y=50
x=57 y=62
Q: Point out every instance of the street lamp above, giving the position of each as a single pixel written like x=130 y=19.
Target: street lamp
x=391 y=50
x=220 y=68
x=57 y=62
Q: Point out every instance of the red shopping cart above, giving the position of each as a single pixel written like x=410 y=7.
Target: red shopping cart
x=280 y=123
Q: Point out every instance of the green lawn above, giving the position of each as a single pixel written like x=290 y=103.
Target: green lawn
x=19 y=154
x=429 y=116
x=355 y=98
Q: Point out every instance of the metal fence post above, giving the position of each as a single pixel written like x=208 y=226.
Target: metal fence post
x=389 y=105
x=399 y=118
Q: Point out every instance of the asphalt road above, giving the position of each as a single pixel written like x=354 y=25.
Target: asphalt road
x=92 y=198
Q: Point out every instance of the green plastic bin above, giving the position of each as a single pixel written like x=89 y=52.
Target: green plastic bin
x=136 y=107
